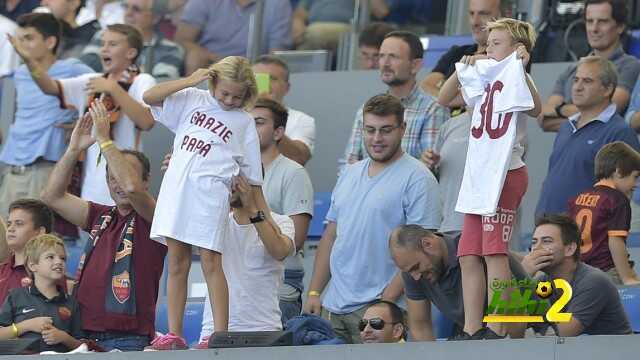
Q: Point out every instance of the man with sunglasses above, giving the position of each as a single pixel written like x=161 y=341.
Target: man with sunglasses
x=372 y=197
x=160 y=57
x=431 y=274
x=382 y=323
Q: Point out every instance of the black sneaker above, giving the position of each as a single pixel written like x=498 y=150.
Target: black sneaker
x=489 y=334
x=478 y=335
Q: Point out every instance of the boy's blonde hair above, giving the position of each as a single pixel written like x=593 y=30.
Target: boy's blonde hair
x=236 y=69
x=38 y=245
x=520 y=31
x=616 y=156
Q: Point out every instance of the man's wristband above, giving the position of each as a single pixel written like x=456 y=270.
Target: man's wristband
x=106 y=144
x=14 y=328
x=313 y=293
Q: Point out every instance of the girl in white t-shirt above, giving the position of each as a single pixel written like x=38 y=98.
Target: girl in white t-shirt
x=215 y=141
x=486 y=237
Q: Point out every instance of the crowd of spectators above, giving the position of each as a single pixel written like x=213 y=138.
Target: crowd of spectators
x=97 y=74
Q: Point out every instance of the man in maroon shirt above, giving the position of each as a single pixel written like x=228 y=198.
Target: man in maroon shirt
x=28 y=218
x=119 y=273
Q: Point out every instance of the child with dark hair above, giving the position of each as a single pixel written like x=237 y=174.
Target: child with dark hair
x=603 y=212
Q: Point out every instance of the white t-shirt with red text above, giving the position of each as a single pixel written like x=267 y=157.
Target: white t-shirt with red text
x=500 y=96
x=210 y=148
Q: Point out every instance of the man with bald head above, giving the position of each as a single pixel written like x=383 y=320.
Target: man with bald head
x=480 y=12
x=431 y=274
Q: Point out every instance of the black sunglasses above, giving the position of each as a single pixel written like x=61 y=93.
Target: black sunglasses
x=376 y=324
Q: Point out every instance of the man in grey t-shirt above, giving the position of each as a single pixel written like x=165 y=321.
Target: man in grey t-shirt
x=595 y=303
x=288 y=191
x=431 y=274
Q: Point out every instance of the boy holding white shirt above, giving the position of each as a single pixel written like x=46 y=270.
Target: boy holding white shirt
x=495 y=177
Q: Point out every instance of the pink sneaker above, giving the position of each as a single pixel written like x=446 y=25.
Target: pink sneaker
x=204 y=344
x=168 y=341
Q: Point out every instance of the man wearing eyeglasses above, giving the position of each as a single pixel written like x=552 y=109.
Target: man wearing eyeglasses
x=160 y=57
x=382 y=323
x=372 y=197
x=399 y=61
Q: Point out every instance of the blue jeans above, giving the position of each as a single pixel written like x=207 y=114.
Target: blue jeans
x=118 y=340
x=290 y=309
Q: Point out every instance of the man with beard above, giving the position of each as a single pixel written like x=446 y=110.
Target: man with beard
x=400 y=60
x=431 y=274
x=372 y=197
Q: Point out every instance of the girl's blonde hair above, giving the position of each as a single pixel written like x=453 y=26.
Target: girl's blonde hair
x=520 y=31
x=236 y=69
x=38 y=245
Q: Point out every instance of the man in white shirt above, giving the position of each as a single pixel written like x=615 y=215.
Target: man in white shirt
x=254 y=251
x=300 y=133
x=8 y=57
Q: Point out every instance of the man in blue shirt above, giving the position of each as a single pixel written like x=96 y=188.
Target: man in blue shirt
x=372 y=197
x=36 y=139
x=571 y=164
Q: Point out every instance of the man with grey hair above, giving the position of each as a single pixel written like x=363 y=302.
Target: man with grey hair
x=571 y=164
x=431 y=274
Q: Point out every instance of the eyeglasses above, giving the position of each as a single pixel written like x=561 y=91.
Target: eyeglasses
x=376 y=324
x=385 y=130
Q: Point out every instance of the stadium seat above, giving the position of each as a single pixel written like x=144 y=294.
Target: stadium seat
x=321 y=203
x=436 y=46
x=192 y=319
x=633 y=47
x=442 y=326
x=630 y=296
x=73 y=259
x=633 y=240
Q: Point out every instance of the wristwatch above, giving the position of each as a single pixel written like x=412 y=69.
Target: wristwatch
x=558 y=108
x=258 y=218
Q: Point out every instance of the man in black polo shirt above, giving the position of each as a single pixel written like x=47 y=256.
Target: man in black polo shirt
x=431 y=274
x=480 y=12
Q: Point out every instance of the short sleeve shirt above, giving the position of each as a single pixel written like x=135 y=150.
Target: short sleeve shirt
x=28 y=303
x=628 y=70
x=600 y=212
x=366 y=209
x=11 y=276
x=125 y=133
x=595 y=302
x=301 y=127
x=447 y=63
x=148 y=258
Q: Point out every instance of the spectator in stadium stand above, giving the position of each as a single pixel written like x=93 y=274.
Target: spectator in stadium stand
x=121 y=86
x=12 y=9
x=605 y=24
x=383 y=322
x=210 y=31
x=119 y=273
x=400 y=61
x=9 y=60
x=480 y=12
x=595 y=305
x=27 y=219
x=253 y=259
x=75 y=37
x=36 y=139
x=571 y=164
x=300 y=134
x=369 y=42
x=160 y=57
x=372 y=197
x=431 y=275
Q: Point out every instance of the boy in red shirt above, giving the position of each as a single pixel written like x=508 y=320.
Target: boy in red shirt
x=603 y=212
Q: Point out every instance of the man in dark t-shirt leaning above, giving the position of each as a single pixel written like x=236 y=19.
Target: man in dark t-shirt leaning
x=480 y=12
x=431 y=274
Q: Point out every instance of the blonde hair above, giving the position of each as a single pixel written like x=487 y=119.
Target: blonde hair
x=236 y=69
x=520 y=31
x=38 y=245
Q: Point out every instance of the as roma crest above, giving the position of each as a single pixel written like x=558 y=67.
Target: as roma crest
x=121 y=287
x=64 y=313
